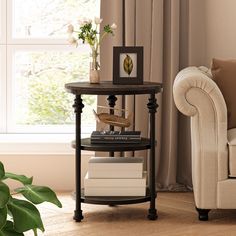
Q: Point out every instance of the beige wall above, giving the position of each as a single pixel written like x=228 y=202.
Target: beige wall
x=54 y=171
x=212 y=30
x=221 y=29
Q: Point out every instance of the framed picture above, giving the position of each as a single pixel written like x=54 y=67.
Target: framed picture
x=127 y=65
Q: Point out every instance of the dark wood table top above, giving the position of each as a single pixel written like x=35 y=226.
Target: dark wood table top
x=108 y=88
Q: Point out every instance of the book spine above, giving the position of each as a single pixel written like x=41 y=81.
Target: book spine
x=116 y=136
x=114 y=141
x=98 y=174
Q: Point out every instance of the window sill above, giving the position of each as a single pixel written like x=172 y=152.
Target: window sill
x=39 y=144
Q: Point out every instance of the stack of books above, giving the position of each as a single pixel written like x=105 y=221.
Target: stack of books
x=115 y=176
x=115 y=137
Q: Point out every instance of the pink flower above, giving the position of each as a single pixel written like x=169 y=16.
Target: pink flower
x=97 y=20
x=72 y=40
x=70 y=29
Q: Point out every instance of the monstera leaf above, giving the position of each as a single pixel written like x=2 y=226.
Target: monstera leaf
x=2 y=171
x=3 y=217
x=4 y=194
x=128 y=64
x=21 y=178
x=8 y=230
x=25 y=215
x=39 y=194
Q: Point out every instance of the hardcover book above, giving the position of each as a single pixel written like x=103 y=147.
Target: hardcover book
x=115 y=187
x=116 y=133
x=116 y=137
x=115 y=167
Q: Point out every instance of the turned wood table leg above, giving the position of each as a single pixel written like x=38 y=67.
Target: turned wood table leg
x=152 y=106
x=112 y=102
x=78 y=107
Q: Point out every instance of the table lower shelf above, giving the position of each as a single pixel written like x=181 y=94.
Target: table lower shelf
x=115 y=200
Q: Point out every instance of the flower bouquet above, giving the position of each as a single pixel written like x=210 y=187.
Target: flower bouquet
x=88 y=32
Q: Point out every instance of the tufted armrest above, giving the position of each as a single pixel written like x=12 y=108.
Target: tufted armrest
x=197 y=95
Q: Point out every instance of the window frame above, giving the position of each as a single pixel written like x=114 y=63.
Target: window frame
x=3 y=88
x=8 y=46
x=3 y=26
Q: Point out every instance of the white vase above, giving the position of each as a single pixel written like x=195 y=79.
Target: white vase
x=94 y=76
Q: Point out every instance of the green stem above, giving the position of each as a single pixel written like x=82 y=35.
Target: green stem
x=35 y=232
x=103 y=35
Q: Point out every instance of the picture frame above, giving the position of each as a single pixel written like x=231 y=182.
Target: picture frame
x=128 y=65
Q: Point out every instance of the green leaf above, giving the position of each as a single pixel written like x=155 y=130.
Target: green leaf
x=2 y=171
x=21 y=178
x=3 y=217
x=107 y=29
x=39 y=194
x=128 y=64
x=25 y=215
x=4 y=194
x=8 y=230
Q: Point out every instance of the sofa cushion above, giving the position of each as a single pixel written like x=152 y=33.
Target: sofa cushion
x=224 y=74
x=232 y=152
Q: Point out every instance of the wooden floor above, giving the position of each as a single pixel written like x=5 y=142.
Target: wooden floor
x=177 y=216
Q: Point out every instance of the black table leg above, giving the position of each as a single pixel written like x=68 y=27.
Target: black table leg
x=78 y=107
x=152 y=106
x=112 y=102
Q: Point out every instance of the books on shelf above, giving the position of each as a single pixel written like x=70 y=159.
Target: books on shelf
x=115 y=187
x=115 y=176
x=116 y=137
x=118 y=167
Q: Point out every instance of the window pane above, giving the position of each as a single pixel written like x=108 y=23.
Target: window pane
x=49 y=18
x=39 y=97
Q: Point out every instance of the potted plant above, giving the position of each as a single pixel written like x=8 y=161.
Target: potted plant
x=16 y=215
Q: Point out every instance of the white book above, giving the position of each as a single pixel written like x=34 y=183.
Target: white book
x=112 y=192
x=111 y=174
x=115 y=187
x=115 y=167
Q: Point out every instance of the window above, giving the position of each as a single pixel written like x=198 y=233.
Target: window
x=36 y=62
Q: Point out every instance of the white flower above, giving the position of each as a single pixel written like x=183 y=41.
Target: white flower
x=70 y=29
x=97 y=20
x=72 y=40
x=84 y=21
x=89 y=21
x=113 y=26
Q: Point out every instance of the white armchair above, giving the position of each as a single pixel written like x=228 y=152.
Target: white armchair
x=213 y=146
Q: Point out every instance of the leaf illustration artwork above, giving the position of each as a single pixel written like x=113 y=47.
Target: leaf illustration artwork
x=128 y=64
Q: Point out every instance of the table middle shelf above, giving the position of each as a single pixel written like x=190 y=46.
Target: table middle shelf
x=114 y=147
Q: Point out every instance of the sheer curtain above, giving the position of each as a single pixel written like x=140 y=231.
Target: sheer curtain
x=160 y=27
